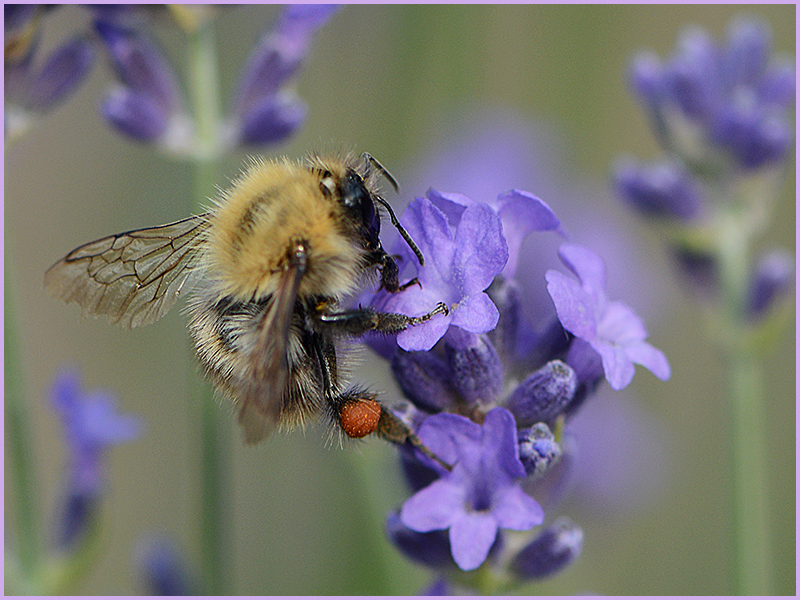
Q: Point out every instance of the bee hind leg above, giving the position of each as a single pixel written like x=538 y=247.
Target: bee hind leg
x=359 y=414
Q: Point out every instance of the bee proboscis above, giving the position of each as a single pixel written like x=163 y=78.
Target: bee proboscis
x=268 y=267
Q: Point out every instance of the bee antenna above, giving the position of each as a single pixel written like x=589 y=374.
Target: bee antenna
x=371 y=161
x=402 y=230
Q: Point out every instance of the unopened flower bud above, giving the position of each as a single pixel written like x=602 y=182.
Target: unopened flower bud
x=543 y=395
x=554 y=549
x=477 y=373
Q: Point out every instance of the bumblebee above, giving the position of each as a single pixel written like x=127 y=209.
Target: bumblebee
x=268 y=267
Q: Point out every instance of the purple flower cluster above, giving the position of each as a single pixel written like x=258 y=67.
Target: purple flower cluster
x=711 y=99
x=148 y=104
x=483 y=399
x=722 y=114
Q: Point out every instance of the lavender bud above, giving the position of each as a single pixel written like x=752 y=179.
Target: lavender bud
x=773 y=277
x=692 y=77
x=66 y=68
x=477 y=373
x=140 y=66
x=749 y=47
x=658 y=190
x=423 y=377
x=779 y=85
x=647 y=78
x=700 y=269
x=553 y=549
x=135 y=114
x=752 y=136
x=272 y=119
x=538 y=450
x=75 y=520
x=543 y=395
x=162 y=568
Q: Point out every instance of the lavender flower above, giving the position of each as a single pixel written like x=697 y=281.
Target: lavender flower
x=91 y=425
x=481 y=494
x=148 y=100
x=147 y=105
x=461 y=264
x=661 y=190
x=31 y=91
x=729 y=98
x=611 y=328
x=520 y=213
x=266 y=110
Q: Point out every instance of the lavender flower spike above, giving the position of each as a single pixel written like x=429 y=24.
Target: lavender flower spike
x=266 y=110
x=612 y=329
x=459 y=266
x=481 y=494
x=91 y=425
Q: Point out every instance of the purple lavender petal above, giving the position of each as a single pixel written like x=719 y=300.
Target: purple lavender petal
x=481 y=251
x=573 y=305
x=522 y=213
x=514 y=509
x=451 y=204
x=476 y=313
x=434 y=507
x=650 y=358
x=585 y=264
x=471 y=538
x=421 y=338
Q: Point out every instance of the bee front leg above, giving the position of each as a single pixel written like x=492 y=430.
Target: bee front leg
x=358 y=321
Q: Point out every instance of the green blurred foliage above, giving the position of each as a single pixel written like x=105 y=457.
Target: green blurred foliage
x=386 y=79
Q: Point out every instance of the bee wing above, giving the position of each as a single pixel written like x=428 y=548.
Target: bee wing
x=268 y=372
x=133 y=278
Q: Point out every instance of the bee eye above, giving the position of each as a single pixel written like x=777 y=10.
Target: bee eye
x=358 y=200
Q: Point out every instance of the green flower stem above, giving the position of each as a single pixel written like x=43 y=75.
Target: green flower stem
x=746 y=393
x=18 y=442
x=204 y=89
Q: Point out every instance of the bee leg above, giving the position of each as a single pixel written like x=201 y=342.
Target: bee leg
x=390 y=273
x=357 y=411
x=358 y=321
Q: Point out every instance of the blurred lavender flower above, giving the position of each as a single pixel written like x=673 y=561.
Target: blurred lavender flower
x=732 y=98
x=556 y=546
x=31 y=91
x=481 y=494
x=611 y=328
x=162 y=568
x=265 y=109
x=661 y=190
x=772 y=279
x=91 y=425
x=148 y=100
x=148 y=105
x=723 y=113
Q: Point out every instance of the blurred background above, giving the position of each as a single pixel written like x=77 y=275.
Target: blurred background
x=543 y=89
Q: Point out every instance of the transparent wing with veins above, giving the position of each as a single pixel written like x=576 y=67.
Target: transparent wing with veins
x=133 y=278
